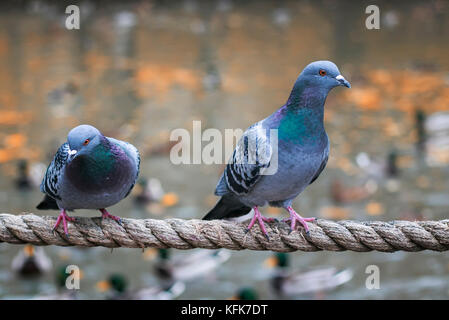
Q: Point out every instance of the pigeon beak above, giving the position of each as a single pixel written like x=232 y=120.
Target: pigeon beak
x=343 y=81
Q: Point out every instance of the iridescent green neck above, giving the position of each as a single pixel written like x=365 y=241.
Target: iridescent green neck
x=302 y=121
x=301 y=125
x=98 y=163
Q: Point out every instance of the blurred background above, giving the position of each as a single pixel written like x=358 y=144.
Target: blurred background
x=139 y=69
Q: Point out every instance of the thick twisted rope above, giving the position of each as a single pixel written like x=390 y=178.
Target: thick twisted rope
x=189 y=234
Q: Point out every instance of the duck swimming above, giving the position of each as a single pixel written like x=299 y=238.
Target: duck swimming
x=189 y=267
x=117 y=287
x=286 y=282
x=63 y=293
x=31 y=261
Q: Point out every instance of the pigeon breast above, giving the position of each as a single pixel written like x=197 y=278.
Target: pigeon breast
x=98 y=179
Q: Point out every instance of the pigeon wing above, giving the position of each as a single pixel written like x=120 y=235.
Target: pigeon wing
x=322 y=166
x=52 y=179
x=251 y=157
x=133 y=153
x=320 y=169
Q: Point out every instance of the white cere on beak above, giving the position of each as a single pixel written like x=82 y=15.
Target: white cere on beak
x=343 y=81
x=72 y=152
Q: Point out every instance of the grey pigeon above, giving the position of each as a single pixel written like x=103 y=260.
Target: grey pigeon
x=89 y=171
x=295 y=161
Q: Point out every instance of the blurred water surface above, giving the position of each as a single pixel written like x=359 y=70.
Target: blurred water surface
x=141 y=69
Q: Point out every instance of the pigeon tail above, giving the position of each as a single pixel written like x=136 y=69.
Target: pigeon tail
x=48 y=203
x=227 y=207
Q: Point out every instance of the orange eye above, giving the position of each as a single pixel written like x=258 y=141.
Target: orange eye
x=322 y=72
x=86 y=142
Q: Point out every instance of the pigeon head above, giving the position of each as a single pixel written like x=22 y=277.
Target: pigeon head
x=82 y=139
x=322 y=74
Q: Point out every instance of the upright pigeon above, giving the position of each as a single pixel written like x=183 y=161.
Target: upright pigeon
x=265 y=170
x=89 y=171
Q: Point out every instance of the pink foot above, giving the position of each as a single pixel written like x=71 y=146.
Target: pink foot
x=64 y=218
x=260 y=218
x=294 y=216
x=106 y=214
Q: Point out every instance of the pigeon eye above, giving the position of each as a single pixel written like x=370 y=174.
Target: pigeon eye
x=322 y=73
x=86 y=142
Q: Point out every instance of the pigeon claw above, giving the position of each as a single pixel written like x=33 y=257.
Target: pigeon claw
x=260 y=219
x=106 y=214
x=294 y=216
x=63 y=217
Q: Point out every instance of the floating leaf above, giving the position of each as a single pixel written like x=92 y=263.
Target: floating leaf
x=169 y=199
x=335 y=212
x=374 y=209
x=274 y=211
x=16 y=140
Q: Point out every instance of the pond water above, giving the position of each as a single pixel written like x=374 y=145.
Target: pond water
x=139 y=70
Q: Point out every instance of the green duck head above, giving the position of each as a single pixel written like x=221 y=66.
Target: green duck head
x=282 y=259
x=247 y=293
x=118 y=282
x=164 y=254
